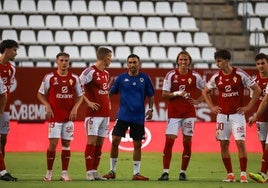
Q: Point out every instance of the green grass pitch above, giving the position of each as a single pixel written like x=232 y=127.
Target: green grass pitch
x=205 y=169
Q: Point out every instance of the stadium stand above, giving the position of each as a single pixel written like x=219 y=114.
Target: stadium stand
x=155 y=30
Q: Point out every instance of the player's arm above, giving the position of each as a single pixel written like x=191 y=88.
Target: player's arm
x=170 y=95
x=43 y=99
x=207 y=97
x=262 y=107
x=255 y=96
x=90 y=104
x=78 y=102
x=149 y=113
x=3 y=101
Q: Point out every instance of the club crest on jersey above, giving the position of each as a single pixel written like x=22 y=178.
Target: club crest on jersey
x=235 y=79
x=190 y=80
x=55 y=81
x=71 y=82
x=141 y=80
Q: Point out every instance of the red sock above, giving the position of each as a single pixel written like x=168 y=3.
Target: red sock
x=264 y=162
x=186 y=155
x=89 y=157
x=2 y=162
x=65 y=158
x=50 y=159
x=97 y=157
x=243 y=164
x=228 y=164
x=167 y=152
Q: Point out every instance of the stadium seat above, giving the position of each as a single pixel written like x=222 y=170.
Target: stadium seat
x=79 y=7
x=166 y=65
x=28 y=37
x=172 y=53
x=45 y=6
x=121 y=53
x=184 y=39
x=77 y=64
x=245 y=8
x=266 y=24
x=129 y=7
x=62 y=6
x=208 y=53
x=163 y=8
x=44 y=64
x=96 y=7
x=88 y=53
x=146 y=8
x=264 y=50
x=254 y=24
x=5 y=21
x=261 y=9
x=257 y=39
x=53 y=22
x=80 y=37
x=149 y=38
x=142 y=52
x=180 y=9
x=138 y=23
x=188 y=24
x=63 y=37
x=51 y=51
x=22 y=54
x=36 y=52
x=70 y=22
x=194 y=52
x=121 y=23
x=87 y=22
x=148 y=65
x=19 y=21
x=73 y=51
x=132 y=38
x=10 y=34
x=201 y=39
x=97 y=38
x=167 y=39
x=28 y=6
x=112 y=7
x=24 y=63
x=115 y=38
x=11 y=6
x=171 y=24
x=201 y=65
x=45 y=37
x=104 y=22
x=154 y=23
x=158 y=53
x=36 y=22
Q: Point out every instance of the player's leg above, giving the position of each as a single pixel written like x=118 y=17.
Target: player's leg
x=4 y=130
x=172 y=130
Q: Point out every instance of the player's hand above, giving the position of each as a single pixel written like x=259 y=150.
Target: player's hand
x=215 y=109
x=94 y=106
x=149 y=114
x=181 y=93
x=252 y=119
x=49 y=112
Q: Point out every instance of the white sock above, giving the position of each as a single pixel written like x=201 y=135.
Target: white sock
x=113 y=162
x=136 y=167
x=166 y=170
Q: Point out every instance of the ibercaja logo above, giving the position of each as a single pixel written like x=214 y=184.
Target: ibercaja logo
x=126 y=143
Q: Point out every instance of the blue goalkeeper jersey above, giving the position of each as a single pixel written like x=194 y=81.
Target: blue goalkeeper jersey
x=133 y=91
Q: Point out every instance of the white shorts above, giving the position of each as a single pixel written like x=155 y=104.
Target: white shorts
x=61 y=130
x=174 y=125
x=262 y=128
x=98 y=126
x=232 y=123
x=4 y=123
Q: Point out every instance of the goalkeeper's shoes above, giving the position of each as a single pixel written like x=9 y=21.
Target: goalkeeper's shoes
x=48 y=176
x=229 y=178
x=110 y=175
x=257 y=177
x=7 y=177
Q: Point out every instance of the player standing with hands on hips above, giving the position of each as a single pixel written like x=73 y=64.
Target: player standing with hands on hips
x=231 y=82
x=133 y=87
x=261 y=117
x=61 y=93
x=182 y=88
x=96 y=84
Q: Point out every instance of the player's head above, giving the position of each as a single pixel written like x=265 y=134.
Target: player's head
x=63 y=60
x=104 y=55
x=184 y=57
x=133 y=64
x=9 y=47
x=222 y=54
x=261 y=61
